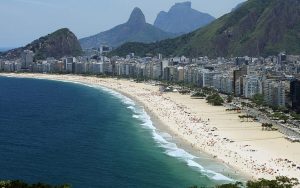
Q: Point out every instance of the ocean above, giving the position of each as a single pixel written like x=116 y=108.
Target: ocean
x=89 y=137
x=4 y=49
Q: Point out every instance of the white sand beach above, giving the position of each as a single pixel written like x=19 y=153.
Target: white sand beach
x=210 y=129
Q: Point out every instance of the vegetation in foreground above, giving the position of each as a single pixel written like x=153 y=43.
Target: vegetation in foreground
x=279 y=182
x=21 y=184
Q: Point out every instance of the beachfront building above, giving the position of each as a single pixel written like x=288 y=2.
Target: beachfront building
x=174 y=74
x=237 y=80
x=98 y=68
x=26 y=59
x=274 y=92
x=68 y=61
x=180 y=75
x=206 y=77
x=190 y=74
x=107 y=68
x=57 y=66
x=251 y=86
x=8 y=66
x=223 y=83
x=157 y=71
x=295 y=95
x=167 y=74
x=2 y=65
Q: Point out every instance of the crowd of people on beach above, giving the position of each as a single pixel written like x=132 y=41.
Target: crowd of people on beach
x=200 y=133
x=202 y=136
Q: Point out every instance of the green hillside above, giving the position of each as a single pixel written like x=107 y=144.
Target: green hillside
x=257 y=28
x=57 y=44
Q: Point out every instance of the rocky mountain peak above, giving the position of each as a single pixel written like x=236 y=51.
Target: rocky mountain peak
x=137 y=17
x=134 y=30
x=186 y=4
x=181 y=18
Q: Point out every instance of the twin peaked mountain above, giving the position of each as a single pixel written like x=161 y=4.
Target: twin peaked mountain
x=134 y=30
x=180 y=19
x=254 y=28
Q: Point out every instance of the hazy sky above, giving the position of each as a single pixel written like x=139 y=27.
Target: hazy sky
x=22 y=21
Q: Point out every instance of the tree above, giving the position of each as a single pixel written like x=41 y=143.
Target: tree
x=258 y=99
x=198 y=94
x=267 y=126
x=246 y=116
x=295 y=116
x=215 y=99
x=229 y=98
x=21 y=184
x=279 y=182
x=231 y=185
x=281 y=116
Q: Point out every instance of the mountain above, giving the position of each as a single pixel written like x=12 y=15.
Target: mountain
x=181 y=19
x=58 y=44
x=257 y=28
x=134 y=30
x=237 y=6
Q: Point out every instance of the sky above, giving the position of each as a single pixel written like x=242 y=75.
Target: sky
x=23 y=21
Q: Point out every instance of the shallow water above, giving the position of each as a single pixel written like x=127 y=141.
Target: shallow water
x=58 y=132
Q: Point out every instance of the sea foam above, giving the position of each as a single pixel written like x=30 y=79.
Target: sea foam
x=162 y=139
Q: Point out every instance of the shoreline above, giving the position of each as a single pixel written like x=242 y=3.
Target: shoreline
x=190 y=122
x=231 y=172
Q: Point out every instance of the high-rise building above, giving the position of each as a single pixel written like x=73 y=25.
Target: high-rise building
x=282 y=58
x=274 y=92
x=223 y=83
x=104 y=49
x=26 y=59
x=251 y=86
x=295 y=95
x=237 y=74
x=180 y=76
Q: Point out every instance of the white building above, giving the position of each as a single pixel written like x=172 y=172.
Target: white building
x=223 y=83
x=251 y=86
x=206 y=78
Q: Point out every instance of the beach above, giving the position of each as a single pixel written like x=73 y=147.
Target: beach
x=242 y=145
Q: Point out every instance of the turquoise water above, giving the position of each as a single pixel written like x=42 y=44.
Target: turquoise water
x=57 y=132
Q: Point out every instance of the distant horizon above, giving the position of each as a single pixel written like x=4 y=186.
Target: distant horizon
x=3 y=48
x=27 y=20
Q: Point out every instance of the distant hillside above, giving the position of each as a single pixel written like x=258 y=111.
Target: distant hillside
x=135 y=30
x=58 y=44
x=181 y=19
x=257 y=28
x=237 y=6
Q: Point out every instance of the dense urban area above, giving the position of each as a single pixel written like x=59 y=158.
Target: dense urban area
x=266 y=89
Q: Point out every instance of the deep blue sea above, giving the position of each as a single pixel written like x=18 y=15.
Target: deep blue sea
x=4 y=49
x=56 y=132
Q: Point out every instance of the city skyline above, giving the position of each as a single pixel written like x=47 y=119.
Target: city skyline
x=27 y=20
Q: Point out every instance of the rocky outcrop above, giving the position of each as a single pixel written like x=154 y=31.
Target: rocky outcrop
x=181 y=19
x=134 y=30
x=58 y=44
x=256 y=28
